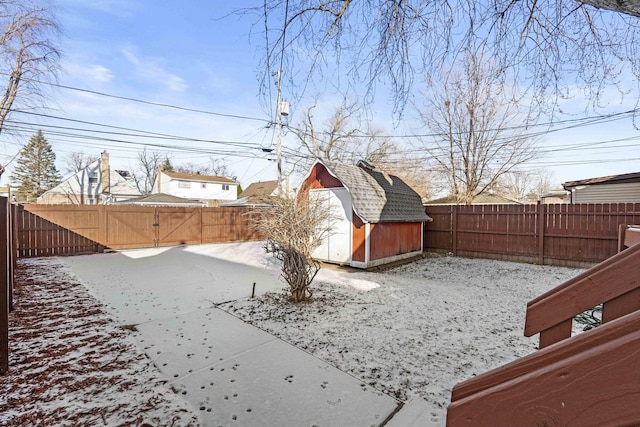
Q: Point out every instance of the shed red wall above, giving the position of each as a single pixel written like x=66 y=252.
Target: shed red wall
x=395 y=238
x=359 y=237
x=319 y=177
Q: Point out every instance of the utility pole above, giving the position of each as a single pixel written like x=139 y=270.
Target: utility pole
x=279 y=130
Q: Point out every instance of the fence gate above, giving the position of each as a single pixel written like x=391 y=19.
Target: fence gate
x=134 y=227
x=177 y=226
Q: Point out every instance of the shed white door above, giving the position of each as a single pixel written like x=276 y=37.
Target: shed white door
x=337 y=246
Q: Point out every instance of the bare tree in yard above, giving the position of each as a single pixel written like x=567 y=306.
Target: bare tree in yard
x=548 y=48
x=28 y=55
x=147 y=170
x=339 y=138
x=525 y=185
x=474 y=142
x=215 y=167
x=77 y=161
x=293 y=228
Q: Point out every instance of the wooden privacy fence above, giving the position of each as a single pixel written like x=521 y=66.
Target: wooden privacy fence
x=573 y=235
x=92 y=228
x=37 y=237
x=8 y=259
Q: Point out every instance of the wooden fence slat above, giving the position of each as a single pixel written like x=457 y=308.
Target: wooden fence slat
x=5 y=283
x=577 y=235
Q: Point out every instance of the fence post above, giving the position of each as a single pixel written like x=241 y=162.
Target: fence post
x=541 y=222
x=12 y=248
x=621 y=232
x=454 y=230
x=5 y=278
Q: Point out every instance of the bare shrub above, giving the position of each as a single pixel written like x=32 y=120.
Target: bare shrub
x=293 y=228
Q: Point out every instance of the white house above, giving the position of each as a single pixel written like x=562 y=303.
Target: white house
x=95 y=184
x=213 y=189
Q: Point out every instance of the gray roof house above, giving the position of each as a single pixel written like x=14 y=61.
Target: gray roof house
x=162 y=199
x=256 y=194
x=381 y=218
x=624 y=188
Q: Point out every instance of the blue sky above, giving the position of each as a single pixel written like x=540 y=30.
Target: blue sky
x=188 y=54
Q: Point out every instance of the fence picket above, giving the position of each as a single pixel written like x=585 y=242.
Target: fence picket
x=572 y=235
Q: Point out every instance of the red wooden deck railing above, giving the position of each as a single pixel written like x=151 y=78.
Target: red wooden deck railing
x=592 y=379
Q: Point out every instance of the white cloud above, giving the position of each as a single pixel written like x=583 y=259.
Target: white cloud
x=152 y=71
x=84 y=72
x=100 y=73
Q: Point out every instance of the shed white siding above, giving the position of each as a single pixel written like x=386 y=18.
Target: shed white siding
x=336 y=247
x=607 y=193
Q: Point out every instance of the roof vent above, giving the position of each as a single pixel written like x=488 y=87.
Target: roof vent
x=365 y=165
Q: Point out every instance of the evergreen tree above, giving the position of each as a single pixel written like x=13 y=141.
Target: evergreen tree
x=35 y=171
x=167 y=166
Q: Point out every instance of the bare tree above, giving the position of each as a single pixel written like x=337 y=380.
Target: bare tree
x=546 y=47
x=526 y=185
x=412 y=169
x=215 y=167
x=339 y=138
x=28 y=54
x=146 y=172
x=517 y=185
x=77 y=161
x=293 y=228
x=474 y=141
x=334 y=140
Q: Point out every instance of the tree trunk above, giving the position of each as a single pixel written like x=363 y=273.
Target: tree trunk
x=627 y=7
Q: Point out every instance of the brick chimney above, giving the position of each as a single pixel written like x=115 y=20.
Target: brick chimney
x=105 y=184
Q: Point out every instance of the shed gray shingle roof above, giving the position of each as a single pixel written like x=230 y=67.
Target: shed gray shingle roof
x=377 y=196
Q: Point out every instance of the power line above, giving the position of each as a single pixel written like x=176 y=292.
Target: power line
x=141 y=101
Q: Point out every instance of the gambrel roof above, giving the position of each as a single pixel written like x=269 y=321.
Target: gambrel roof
x=378 y=196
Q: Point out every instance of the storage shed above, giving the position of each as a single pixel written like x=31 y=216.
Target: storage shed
x=381 y=218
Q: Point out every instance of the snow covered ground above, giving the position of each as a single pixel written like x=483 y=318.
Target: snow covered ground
x=416 y=330
x=411 y=332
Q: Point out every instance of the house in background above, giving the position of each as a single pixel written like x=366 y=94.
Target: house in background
x=95 y=184
x=161 y=199
x=554 y=196
x=624 y=188
x=211 y=189
x=5 y=191
x=256 y=194
x=378 y=218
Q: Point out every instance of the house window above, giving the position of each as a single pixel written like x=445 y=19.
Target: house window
x=90 y=201
x=203 y=185
x=184 y=184
x=93 y=177
x=225 y=187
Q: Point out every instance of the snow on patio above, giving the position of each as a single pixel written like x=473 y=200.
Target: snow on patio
x=234 y=373
x=71 y=365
